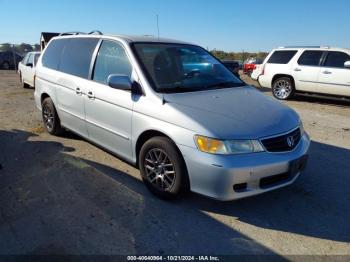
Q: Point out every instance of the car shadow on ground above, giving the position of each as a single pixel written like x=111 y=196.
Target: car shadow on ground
x=316 y=205
x=339 y=102
x=55 y=203
x=310 y=98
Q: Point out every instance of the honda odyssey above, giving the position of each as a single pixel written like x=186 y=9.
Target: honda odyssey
x=174 y=111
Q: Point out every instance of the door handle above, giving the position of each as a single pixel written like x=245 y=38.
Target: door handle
x=90 y=95
x=78 y=91
x=297 y=69
x=327 y=72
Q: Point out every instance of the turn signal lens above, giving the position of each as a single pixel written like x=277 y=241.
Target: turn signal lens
x=209 y=145
x=227 y=147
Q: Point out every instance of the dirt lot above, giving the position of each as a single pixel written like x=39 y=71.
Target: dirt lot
x=62 y=195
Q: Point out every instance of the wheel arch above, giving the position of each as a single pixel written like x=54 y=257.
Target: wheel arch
x=145 y=136
x=148 y=134
x=43 y=97
x=277 y=76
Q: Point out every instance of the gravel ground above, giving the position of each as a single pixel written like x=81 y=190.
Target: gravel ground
x=62 y=195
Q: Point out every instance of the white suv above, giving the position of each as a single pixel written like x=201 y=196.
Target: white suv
x=320 y=70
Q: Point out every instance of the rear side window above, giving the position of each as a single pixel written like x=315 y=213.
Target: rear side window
x=336 y=59
x=281 y=57
x=111 y=59
x=310 y=58
x=76 y=56
x=52 y=54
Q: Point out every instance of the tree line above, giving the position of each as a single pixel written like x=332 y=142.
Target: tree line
x=222 y=55
x=238 y=56
x=21 y=48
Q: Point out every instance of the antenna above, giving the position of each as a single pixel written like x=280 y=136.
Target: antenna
x=157 y=26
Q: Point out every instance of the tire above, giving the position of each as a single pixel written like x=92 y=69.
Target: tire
x=6 y=65
x=283 y=88
x=50 y=118
x=163 y=169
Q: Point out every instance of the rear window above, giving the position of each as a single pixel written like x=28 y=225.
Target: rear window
x=281 y=57
x=310 y=58
x=76 y=56
x=52 y=54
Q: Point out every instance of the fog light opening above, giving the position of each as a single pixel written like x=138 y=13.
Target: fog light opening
x=240 y=187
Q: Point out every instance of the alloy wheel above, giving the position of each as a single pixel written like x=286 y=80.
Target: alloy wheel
x=282 y=89
x=159 y=169
x=48 y=117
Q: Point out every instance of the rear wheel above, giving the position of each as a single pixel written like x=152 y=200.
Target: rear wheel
x=50 y=118
x=283 y=88
x=162 y=168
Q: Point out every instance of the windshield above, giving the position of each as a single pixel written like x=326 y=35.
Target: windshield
x=183 y=68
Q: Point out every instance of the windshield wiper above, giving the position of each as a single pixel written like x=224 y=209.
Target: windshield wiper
x=177 y=89
x=225 y=85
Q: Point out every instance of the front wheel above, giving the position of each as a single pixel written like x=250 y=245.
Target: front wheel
x=162 y=168
x=283 y=88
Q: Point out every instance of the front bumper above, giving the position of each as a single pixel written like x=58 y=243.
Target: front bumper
x=229 y=177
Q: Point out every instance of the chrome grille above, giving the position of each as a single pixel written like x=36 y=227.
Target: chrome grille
x=286 y=142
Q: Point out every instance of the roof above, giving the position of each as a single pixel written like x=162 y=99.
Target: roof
x=48 y=35
x=129 y=38
x=321 y=48
x=146 y=38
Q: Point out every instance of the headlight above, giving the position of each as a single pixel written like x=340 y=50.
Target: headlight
x=227 y=147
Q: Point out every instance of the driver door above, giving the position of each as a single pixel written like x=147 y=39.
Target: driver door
x=108 y=111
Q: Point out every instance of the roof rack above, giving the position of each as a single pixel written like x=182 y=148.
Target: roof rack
x=95 y=32
x=305 y=46
x=72 y=33
x=81 y=33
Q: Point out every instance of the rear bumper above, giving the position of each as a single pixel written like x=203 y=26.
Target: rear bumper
x=264 y=81
x=233 y=177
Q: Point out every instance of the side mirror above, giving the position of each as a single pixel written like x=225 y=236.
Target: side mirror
x=347 y=64
x=121 y=82
x=29 y=64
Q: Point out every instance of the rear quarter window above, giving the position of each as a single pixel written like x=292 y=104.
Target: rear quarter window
x=76 y=56
x=281 y=57
x=52 y=54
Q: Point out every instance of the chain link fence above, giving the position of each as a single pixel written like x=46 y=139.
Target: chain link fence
x=11 y=54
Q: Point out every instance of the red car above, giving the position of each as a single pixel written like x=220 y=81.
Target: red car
x=250 y=65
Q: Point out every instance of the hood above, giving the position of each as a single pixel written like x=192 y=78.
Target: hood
x=232 y=113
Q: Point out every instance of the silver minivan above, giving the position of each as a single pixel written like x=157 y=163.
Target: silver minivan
x=174 y=111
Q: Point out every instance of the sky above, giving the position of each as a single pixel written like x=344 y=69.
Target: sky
x=229 y=25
